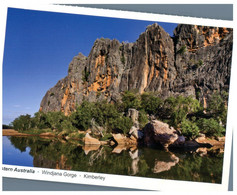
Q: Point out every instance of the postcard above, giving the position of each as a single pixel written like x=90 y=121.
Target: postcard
x=116 y=98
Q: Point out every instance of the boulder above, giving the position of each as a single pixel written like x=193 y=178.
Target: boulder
x=123 y=140
x=191 y=144
x=179 y=142
x=119 y=138
x=90 y=140
x=157 y=132
x=201 y=137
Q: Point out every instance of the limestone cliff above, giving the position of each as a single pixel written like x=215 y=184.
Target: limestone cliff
x=196 y=61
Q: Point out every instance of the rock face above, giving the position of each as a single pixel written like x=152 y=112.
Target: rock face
x=157 y=132
x=134 y=115
x=196 y=61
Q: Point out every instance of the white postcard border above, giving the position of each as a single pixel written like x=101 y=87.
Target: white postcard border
x=118 y=180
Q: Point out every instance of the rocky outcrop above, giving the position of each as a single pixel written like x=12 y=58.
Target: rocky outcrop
x=196 y=61
x=90 y=147
x=134 y=115
x=122 y=140
x=203 y=60
x=159 y=133
x=90 y=140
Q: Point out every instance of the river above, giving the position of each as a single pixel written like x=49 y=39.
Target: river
x=142 y=162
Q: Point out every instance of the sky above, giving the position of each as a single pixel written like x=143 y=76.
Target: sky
x=40 y=45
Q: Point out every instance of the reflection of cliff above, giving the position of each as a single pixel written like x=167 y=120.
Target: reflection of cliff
x=145 y=162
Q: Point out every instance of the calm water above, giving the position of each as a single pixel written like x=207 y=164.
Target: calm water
x=143 y=162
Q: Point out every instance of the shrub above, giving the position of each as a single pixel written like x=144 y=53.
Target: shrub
x=55 y=119
x=189 y=129
x=81 y=118
x=67 y=126
x=122 y=59
x=143 y=119
x=150 y=103
x=177 y=109
x=7 y=126
x=22 y=123
x=106 y=137
x=182 y=50
x=122 y=123
x=77 y=135
x=39 y=121
x=200 y=63
x=130 y=100
x=217 y=106
x=210 y=127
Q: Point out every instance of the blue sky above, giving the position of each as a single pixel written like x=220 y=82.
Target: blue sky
x=40 y=45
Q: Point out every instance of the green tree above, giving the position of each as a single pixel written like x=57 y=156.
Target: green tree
x=150 y=103
x=22 y=123
x=39 y=121
x=177 y=109
x=55 y=119
x=67 y=125
x=142 y=118
x=81 y=118
x=217 y=106
x=189 y=129
x=130 y=100
x=210 y=127
x=121 y=123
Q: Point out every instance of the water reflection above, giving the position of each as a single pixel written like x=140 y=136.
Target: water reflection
x=145 y=162
x=161 y=165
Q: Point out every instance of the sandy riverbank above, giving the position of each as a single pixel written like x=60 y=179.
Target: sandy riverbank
x=12 y=132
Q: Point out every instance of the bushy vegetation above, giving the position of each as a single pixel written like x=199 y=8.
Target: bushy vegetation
x=210 y=127
x=7 y=126
x=183 y=113
x=189 y=129
x=177 y=109
x=22 y=123
x=122 y=59
x=182 y=49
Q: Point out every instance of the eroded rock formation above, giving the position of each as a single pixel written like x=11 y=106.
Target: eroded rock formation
x=157 y=132
x=196 y=61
